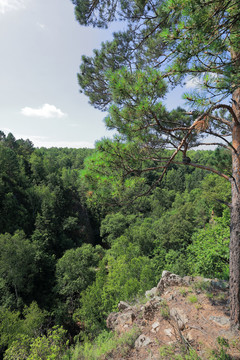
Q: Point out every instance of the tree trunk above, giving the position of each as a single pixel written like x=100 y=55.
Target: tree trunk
x=234 y=265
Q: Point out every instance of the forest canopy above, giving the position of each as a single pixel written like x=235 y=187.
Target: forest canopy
x=70 y=251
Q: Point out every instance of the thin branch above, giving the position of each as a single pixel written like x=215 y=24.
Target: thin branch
x=224 y=202
x=222 y=137
x=227 y=107
x=172 y=157
x=224 y=121
x=207 y=168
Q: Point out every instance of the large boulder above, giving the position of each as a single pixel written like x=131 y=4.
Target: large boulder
x=151 y=293
x=169 y=279
x=150 y=308
x=119 y=321
x=123 y=306
x=112 y=320
x=180 y=317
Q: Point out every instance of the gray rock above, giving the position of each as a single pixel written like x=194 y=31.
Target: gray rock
x=142 y=341
x=180 y=317
x=112 y=320
x=169 y=279
x=156 y=324
x=188 y=280
x=151 y=293
x=168 y=332
x=123 y=305
x=219 y=284
x=220 y=320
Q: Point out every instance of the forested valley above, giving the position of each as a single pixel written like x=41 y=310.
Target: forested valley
x=74 y=243
x=82 y=229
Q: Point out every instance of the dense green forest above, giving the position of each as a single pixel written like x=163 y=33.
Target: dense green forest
x=73 y=243
x=83 y=229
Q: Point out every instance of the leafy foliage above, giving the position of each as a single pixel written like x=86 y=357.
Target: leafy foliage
x=50 y=346
x=75 y=271
x=209 y=251
x=87 y=245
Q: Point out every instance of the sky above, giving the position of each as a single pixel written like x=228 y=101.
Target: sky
x=41 y=45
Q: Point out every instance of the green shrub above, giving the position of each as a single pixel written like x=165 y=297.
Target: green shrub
x=164 y=310
x=105 y=344
x=177 y=352
x=121 y=276
x=47 y=347
x=221 y=352
x=208 y=255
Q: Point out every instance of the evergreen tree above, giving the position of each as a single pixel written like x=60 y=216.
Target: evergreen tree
x=167 y=42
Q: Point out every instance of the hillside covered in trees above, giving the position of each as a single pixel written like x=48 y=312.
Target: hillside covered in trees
x=73 y=245
x=83 y=229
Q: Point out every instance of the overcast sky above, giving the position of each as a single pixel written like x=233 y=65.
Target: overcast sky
x=41 y=45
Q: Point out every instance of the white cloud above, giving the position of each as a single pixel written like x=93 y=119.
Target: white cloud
x=46 y=111
x=41 y=26
x=9 y=5
x=196 y=82
x=192 y=82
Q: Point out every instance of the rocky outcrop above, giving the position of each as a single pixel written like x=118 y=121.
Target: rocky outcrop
x=123 y=306
x=169 y=279
x=178 y=312
x=151 y=307
x=151 y=293
x=121 y=320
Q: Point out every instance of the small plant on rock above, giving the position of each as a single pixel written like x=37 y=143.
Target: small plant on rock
x=173 y=352
x=209 y=295
x=202 y=285
x=198 y=306
x=192 y=299
x=183 y=292
x=164 y=310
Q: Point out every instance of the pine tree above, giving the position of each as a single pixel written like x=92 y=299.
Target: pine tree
x=166 y=43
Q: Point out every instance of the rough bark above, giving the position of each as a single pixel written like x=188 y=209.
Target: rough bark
x=234 y=265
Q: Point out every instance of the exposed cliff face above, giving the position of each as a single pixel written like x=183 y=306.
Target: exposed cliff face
x=182 y=316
